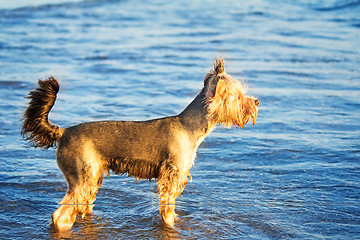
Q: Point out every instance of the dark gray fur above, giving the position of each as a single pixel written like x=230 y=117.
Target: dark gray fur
x=136 y=148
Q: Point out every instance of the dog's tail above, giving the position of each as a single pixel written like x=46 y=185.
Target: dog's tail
x=36 y=126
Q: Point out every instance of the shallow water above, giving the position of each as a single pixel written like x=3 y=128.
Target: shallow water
x=295 y=174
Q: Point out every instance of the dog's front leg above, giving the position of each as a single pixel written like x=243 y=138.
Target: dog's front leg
x=171 y=183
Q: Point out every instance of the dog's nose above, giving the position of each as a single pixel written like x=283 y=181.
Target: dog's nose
x=257 y=102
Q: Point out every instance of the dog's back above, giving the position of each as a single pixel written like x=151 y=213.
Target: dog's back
x=132 y=147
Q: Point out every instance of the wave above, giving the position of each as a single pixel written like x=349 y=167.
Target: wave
x=339 y=5
x=47 y=4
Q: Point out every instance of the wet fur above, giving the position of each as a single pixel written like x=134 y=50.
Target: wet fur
x=162 y=149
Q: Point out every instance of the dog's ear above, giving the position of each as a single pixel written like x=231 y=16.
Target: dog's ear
x=219 y=66
x=210 y=92
x=217 y=91
x=213 y=79
x=220 y=89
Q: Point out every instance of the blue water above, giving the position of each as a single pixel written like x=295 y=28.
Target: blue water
x=294 y=175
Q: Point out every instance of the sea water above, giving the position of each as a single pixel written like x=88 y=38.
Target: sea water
x=295 y=174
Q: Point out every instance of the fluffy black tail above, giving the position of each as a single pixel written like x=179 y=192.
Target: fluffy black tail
x=36 y=126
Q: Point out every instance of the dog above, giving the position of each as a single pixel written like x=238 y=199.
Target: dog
x=162 y=149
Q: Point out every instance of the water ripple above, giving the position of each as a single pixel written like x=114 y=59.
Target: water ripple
x=295 y=174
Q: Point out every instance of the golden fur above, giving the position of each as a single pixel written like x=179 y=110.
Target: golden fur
x=227 y=104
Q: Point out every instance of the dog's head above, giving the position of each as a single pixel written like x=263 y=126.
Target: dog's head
x=226 y=100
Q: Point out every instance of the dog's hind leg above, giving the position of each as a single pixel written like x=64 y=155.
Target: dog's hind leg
x=64 y=217
x=79 y=199
x=84 y=179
